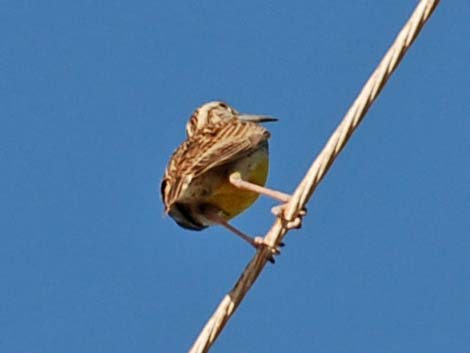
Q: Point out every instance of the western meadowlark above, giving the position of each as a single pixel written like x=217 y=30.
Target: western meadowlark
x=219 y=171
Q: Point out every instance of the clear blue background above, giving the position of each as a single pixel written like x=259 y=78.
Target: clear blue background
x=94 y=96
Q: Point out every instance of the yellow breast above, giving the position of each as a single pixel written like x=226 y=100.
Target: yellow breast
x=231 y=200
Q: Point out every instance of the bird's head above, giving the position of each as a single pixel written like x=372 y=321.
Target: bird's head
x=215 y=112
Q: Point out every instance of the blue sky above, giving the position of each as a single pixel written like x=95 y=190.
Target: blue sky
x=94 y=98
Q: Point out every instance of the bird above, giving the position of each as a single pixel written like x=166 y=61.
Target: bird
x=219 y=170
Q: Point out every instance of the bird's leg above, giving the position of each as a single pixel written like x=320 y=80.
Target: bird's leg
x=278 y=211
x=238 y=182
x=256 y=242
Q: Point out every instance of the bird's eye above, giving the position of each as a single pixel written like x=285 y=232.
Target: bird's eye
x=223 y=105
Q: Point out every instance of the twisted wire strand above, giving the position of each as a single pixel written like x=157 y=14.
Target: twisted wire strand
x=317 y=171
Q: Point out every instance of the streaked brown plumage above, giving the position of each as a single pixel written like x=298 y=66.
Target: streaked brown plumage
x=210 y=176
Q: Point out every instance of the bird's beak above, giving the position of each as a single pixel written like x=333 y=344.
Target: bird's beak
x=256 y=118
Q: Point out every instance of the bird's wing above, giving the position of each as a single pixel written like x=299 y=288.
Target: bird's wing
x=231 y=141
x=213 y=146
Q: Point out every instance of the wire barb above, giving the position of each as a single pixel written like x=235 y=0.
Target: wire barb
x=317 y=171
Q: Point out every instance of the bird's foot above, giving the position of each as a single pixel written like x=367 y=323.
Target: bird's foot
x=296 y=223
x=259 y=243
